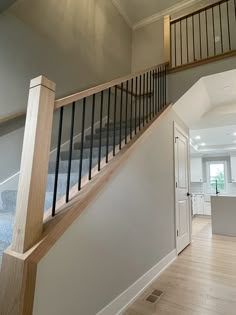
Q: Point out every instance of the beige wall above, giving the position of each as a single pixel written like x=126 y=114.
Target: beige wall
x=122 y=234
x=147 y=46
x=148 y=41
x=77 y=44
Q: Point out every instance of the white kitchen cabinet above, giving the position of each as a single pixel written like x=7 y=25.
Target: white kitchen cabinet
x=196 y=170
x=198 y=204
x=194 y=204
x=233 y=168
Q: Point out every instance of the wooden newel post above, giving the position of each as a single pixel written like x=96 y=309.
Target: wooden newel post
x=34 y=165
x=167 y=38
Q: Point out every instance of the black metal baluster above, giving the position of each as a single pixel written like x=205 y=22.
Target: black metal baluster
x=156 y=94
x=143 y=97
x=235 y=9
x=221 y=32
x=131 y=108
x=153 y=93
x=100 y=133
x=121 y=109
x=140 y=99
x=126 y=111
x=161 y=87
x=108 y=123
x=229 y=36
x=181 y=44
x=207 y=33
x=187 y=40
x=150 y=95
x=70 y=151
x=57 y=162
x=114 y=122
x=200 y=34
x=82 y=144
x=213 y=29
x=194 y=56
x=91 y=141
x=159 y=96
x=135 y=109
x=165 y=90
x=146 y=95
x=175 y=44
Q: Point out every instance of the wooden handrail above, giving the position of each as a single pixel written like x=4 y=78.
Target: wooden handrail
x=11 y=117
x=206 y=7
x=80 y=95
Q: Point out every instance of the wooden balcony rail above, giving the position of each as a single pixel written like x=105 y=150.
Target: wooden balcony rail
x=201 y=36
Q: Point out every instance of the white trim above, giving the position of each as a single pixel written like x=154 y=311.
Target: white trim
x=10 y=178
x=120 y=304
x=155 y=17
x=121 y=10
x=179 y=129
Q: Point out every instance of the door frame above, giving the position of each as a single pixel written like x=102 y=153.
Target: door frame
x=180 y=130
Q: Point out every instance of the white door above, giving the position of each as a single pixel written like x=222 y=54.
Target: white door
x=183 y=208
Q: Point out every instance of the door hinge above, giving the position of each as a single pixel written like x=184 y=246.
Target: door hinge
x=176 y=184
x=176 y=138
x=177 y=232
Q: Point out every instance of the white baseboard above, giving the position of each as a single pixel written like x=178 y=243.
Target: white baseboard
x=119 y=304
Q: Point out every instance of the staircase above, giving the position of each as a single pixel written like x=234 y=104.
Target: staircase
x=9 y=196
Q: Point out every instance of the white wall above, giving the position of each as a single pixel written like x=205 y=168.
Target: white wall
x=124 y=232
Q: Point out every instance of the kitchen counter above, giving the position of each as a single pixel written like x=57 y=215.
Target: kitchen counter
x=223 y=209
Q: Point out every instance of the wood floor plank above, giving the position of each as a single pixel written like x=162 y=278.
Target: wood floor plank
x=201 y=281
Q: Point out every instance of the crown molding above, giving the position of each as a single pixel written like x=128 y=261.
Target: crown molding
x=155 y=17
x=182 y=5
x=121 y=10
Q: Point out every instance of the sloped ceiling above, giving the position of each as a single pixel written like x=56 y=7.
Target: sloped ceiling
x=211 y=102
x=5 y=4
x=139 y=12
x=209 y=110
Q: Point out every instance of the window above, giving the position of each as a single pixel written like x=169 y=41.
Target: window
x=216 y=176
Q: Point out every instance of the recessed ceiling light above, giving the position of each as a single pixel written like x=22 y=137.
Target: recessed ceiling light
x=234 y=133
x=197 y=137
x=203 y=144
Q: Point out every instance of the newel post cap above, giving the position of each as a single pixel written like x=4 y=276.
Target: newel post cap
x=41 y=80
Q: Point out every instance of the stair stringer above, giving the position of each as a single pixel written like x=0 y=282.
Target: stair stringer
x=18 y=274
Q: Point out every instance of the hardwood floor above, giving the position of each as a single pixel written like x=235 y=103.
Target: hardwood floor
x=202 y=280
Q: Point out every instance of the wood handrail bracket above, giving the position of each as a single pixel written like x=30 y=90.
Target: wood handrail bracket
x=18 y=274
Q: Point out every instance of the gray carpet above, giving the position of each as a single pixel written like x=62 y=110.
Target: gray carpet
x=7 y=213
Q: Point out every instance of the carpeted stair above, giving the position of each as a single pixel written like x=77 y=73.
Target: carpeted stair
x=7 y=213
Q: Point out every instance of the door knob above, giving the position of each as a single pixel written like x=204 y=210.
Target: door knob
x=188 y=194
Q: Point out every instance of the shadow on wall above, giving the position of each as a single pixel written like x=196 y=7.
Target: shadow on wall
x=5 y=4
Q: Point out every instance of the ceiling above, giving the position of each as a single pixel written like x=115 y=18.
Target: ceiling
x=209 y=103
x=209 y=110
x=4 y=4
x=137 y=12
x=213 y=140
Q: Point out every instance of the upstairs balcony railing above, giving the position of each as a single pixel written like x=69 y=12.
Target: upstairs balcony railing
x=205 y=34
